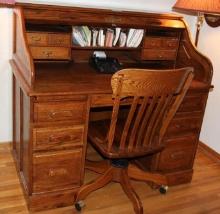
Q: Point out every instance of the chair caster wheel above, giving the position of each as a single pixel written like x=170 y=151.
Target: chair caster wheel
x=163 y=189
x=79 y=205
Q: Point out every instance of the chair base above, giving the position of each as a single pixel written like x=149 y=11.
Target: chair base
x=120 y=163
x=119 y=171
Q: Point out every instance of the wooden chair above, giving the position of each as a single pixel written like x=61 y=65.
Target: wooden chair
x=154 y=97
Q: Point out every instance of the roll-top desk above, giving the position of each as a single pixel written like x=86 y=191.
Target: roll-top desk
x=55 y=92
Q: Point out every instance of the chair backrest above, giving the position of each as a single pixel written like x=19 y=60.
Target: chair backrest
x=155 y=97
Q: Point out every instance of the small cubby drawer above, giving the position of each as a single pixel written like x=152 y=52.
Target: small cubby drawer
x=160 y=42
x=155 y=54
x=57 y=111
x=37 y=39
x=59 y=53
x=57 y=170
x=170 y=43
x=63 y=40
x=57 y=137
x=152 y=42
x=49 y=39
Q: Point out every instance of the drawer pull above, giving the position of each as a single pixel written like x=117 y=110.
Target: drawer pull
x=47 y=53
x=177 y=155
x=60 y=41
x=57 y=172
x=178 y=126
x=36 y=38
x=55 y=114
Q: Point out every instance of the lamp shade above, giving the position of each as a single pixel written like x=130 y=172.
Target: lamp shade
x=7 y=2
x=205 y=6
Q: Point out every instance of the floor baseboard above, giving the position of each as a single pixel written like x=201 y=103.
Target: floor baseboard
x=5 y=143
x=209 y=151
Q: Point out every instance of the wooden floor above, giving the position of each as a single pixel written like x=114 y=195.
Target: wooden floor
x=201 y=196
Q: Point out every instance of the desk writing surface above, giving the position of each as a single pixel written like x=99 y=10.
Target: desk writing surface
x=77 y=78
x=70 y=78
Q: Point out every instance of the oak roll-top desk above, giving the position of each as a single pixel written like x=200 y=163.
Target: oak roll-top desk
x=55 y=91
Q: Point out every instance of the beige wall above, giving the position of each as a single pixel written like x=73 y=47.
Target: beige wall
x=5 y=75
x=209 y=44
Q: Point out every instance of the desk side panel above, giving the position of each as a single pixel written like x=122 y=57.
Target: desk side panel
x=21 y=53
x=189 y=55
x=21 y=134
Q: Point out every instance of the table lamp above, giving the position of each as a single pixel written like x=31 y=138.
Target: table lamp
x=7 y=3
x=208 y=9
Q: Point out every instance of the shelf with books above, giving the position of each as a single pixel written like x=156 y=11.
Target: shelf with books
x=105 y=48
x=107 y=38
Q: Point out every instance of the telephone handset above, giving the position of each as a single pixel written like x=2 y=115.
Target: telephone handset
x=104 y=64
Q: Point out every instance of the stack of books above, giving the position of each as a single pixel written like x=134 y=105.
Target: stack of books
x=134 y=37
x=81 y=36
x=99 y=37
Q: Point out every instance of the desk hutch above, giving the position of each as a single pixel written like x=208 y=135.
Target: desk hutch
x=56 y=92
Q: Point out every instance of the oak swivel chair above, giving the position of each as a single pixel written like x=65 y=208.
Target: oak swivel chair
x=154 y=97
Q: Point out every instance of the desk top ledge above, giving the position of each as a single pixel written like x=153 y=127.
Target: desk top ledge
x=115 y=6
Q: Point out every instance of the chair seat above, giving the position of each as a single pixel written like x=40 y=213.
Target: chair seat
x=97 y=134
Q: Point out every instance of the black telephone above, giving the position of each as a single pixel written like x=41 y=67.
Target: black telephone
x=105 y=65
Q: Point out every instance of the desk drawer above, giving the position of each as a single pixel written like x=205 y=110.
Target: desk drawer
x=106 y=100
x=182 y=126
x=63 y=40
x=101 y=100
x=153 y=54
x=49 y=39
x=59 y=53
x=192 y=103
x=170 y=43
x=160 y=42
x=178 y=154
x=152 y=42
x=37 y=38
x=56 y=111
x=56 y=171
x=57 y=137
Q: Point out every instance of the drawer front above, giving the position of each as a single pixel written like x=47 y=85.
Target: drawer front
x=59 y=53
x=101 y=100
x=170 y=43
x=192 y=103
x=49 y=39
x=152 y=54
x=152 y=42
x=160 y=42
x=38 y=39
x=54 y=112
x=56 y=171
x=178 y=154
x=58 y=138
x=180 y=126
x=63 y=40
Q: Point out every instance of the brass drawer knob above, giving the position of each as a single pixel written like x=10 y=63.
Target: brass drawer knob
x=48 y=53
x=36 y=38
x=57 y=172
